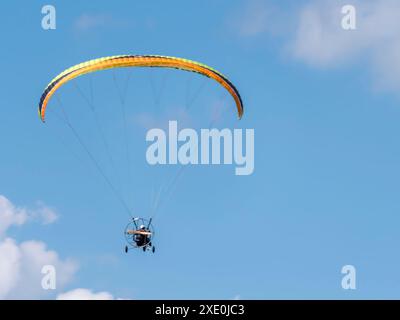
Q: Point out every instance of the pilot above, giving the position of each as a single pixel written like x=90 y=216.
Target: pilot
x=141 y=239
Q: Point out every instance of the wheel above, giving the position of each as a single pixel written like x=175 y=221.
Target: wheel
x=126 y=249
x=153 y=249
x=144 y=249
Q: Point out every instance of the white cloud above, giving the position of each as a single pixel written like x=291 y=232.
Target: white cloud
x=90 y=21
x=147 y=120
x=10 y=215
x=254 y=19
x=85 y=294
x=21 y=265
x=259 y=18
x=314 y=35
x=321 y=42
x=10 y=258
x=386 y=67
x=45 y=214
x=320 y=39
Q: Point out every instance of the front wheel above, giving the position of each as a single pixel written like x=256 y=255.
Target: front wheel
x=126 y=249
x=153 y=249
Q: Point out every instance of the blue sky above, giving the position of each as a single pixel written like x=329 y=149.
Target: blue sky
x=324 y=106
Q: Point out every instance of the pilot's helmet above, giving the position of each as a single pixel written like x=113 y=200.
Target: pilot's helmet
x=142 y=227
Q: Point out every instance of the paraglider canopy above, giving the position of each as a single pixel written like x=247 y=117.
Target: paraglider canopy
x=136 y=61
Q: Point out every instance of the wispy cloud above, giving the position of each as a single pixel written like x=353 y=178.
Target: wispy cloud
x=21 y=263
x=85 y=294
x=10 y=215
x=321 y=42
x=254 y=19
x=44 y=213
x=257 y=18
x=312 y=33
x=21 y=266
x=87 y=22
x=147 y=120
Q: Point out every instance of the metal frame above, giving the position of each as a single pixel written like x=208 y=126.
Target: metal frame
x=134 y=225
